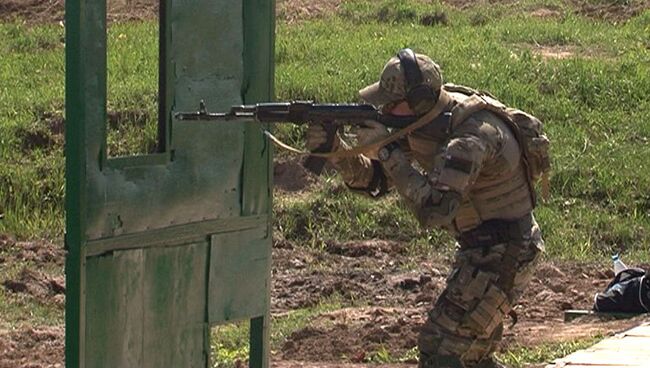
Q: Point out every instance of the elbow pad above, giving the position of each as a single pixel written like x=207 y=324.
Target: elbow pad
x=439 y=209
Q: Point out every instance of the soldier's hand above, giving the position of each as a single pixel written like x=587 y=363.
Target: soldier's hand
x=315 y=137
x=370 y=133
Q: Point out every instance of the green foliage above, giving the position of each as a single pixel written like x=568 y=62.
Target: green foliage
x=31 y=155
x=380 y=356
x=334 y=213
x=132 y=88
x=229 y=344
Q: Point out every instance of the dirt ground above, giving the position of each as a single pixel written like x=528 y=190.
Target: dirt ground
x=389 y=290
x=395 y=297
x=40 y=280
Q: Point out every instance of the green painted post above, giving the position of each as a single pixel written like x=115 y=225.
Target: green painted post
x=259 y=31
x=75 y=159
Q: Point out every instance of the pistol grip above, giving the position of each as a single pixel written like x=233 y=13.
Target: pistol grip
x=316 y=164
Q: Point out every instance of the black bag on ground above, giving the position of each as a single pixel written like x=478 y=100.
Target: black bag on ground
x=629 y=292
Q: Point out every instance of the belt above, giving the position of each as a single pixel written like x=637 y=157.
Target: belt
x=496 y=231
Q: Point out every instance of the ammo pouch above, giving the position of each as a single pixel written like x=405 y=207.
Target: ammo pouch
x=493 y=232
x=629 y=292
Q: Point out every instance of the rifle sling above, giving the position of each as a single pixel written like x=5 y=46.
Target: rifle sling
x=443 y=102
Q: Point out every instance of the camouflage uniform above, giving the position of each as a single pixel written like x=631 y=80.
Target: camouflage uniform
x=471 y=182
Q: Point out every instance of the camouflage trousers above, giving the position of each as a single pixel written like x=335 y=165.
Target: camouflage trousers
x=466 y=324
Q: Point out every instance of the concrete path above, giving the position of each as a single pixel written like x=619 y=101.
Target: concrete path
x=626 y=349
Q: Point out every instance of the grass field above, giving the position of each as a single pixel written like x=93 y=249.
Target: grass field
x=594 y=102
x=587 y=78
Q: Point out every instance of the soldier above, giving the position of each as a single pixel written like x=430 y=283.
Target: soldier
x=472 y=181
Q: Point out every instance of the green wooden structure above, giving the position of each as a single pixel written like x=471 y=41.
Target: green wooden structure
x=161 y=247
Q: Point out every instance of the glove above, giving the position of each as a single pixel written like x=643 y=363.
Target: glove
x=317 y=136
x=370 y=133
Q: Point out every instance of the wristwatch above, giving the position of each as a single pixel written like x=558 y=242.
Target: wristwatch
x=384 y=153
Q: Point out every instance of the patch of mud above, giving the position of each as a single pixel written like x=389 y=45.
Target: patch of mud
x=32 y=11
x=365 y=248
x=47 y=132
x=137 y=117
x=463 y=4
x=545 y=13
x=612 y=10
x=32 y=281
x=38 y=253
x=355 y=334
x=291 y=176
x=36 y=138
x=32 y=347
x=554 y=52
x=44 y=288
x=434 y=19
x=561 y=52
x=373 y=271
x=120 y=10
x=296 y=10
x=50 y=11
x=54 y=121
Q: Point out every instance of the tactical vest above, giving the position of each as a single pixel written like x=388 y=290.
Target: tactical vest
x=504 y=187
x=527 y=129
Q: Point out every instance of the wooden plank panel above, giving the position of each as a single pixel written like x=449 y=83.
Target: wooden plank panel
x=183 y=233
x=114 y=310
x=175 y=331
x=239 y=275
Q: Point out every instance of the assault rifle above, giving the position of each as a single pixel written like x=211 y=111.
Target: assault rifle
x=331 y=116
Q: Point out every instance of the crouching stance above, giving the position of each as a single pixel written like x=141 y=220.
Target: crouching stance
x=474 y=177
